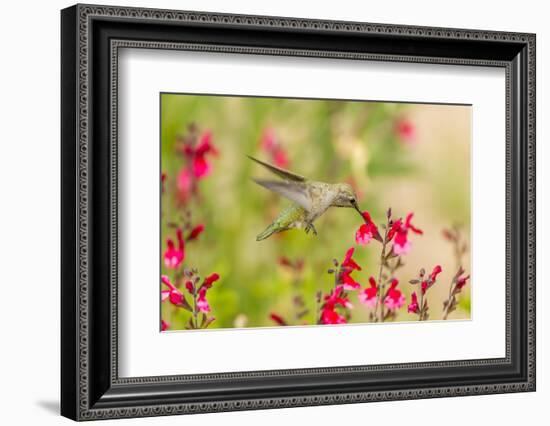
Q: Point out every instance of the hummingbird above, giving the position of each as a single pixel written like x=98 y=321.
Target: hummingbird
x=310 y=199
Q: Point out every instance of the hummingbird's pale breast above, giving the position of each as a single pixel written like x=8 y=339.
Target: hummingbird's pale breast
x=322 y=195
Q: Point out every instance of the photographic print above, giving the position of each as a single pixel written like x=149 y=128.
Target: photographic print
x=311 y=212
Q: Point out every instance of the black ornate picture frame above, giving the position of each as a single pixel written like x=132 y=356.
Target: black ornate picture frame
x=91 y=387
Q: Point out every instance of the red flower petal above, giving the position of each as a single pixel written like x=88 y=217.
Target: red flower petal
x=461 y=282
x=349 y=262
x=330 y=316
x=277 y=318
x=211 y=279
x=348 y=282
x=195 y=232
x=413 y=306
x=201 y=167
x=394 y=228
x=436 y=271
x=202 y=303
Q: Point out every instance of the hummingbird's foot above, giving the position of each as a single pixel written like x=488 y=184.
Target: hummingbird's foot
x=310 y=227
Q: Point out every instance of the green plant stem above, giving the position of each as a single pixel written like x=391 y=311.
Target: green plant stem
x=380 y=284
x=446 y=310
x=421 y=309
x=195 y=320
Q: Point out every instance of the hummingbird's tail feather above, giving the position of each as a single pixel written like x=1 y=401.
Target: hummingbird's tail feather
x=267 y=232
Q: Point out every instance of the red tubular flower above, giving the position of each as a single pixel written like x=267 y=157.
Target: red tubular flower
x=330 y=316
x=410 y=226
x=209 y=280
x=413 y=307
x=202 y=303
x=332 y=300
x=435 y=272
x=349 y=262
x=335 y=298
x=406 y=130
x=461 y=281
x=394 y=298
x=190 y=287
x=394 y=229
x=401 y=244
x=195 y=232
x=367 y=231
x=368 y=295
x=164 y=325
x=424 y=286
x=175 y=296
x=277 y=318
x=173 y=256
x=348 y=282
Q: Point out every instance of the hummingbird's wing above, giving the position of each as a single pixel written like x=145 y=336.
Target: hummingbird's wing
x=282 y=173
x=294 y=191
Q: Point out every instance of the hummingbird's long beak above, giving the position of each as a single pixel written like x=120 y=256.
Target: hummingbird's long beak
x=356 y=207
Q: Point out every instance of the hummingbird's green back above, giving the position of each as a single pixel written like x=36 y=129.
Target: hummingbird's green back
x=291 y=217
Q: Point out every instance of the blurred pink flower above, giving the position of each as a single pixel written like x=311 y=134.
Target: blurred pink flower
x=394 y=298
x=280 y=158
x=184 y=184
x=406 y=130
x=164 y=325
x=197 y=155
x=268 y=141
x=201 y=166
x=173 y=256
x=271 y=146
x=368 y=295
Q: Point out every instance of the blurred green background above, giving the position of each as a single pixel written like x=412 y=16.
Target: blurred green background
x=410 y=157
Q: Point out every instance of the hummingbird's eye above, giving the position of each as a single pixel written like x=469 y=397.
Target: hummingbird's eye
x=352 y=200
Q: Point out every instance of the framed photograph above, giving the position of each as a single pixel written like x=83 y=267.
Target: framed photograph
x=263 y=212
